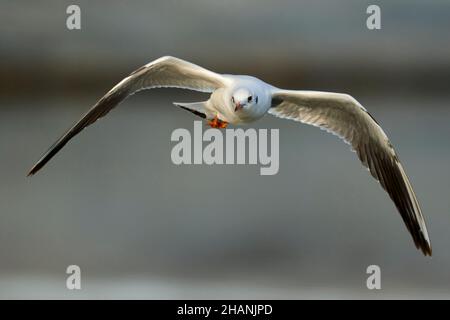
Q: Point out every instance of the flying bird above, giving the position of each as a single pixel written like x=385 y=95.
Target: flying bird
x=238 y=99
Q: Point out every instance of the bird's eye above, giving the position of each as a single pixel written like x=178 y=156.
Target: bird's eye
x=249 y=99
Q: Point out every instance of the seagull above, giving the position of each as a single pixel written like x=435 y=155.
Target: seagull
x=240 y=99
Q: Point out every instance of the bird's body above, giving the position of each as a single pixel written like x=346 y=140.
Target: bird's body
x=220 y=103
x=244 y=99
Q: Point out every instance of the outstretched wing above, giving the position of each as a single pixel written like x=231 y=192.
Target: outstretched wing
x=342 y=115
x=163 y=72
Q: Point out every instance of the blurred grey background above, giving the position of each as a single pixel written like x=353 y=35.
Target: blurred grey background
x=140 y=227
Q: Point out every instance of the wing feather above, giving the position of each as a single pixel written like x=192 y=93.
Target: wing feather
x=163 y=72
x=343 y=116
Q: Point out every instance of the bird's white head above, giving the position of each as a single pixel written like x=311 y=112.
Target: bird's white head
x=243 y=98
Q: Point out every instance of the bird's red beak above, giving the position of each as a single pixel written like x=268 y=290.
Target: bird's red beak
x=238 y=106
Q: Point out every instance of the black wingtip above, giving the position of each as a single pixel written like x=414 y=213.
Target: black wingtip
x=38 y=165
x=197 y=113
x=426 y=249
x=423 y=244
x=32 y=171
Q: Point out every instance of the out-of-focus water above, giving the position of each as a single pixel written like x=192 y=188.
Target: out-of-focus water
x=140 y=227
